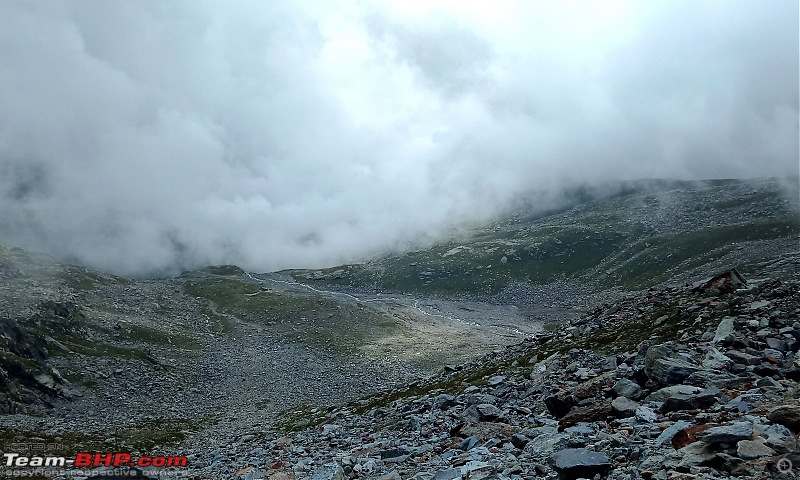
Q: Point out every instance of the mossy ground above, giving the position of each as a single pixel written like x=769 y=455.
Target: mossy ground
x=319 y=322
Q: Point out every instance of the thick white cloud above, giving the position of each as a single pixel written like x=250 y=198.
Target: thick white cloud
x=147 y=136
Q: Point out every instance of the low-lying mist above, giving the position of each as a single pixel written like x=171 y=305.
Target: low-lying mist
x=144 y=138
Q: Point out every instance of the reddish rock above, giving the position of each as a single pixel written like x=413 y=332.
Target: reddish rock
x=598 y=411
x=688 y=435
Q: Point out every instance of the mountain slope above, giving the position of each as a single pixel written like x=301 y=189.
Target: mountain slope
x=642 y=234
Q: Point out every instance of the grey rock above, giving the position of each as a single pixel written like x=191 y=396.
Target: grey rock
x=727 y=433
x=628 y=389
x=701 y=400
x=484 y=412
x=468 y=443
x=661 y=365
x=646 y=414
x=545 y=443
x=725 y=328
x=743 y=358
x=448 y=474
x=623 y=407
x=669 y=432
x=694 y=454
x=786 y=415
x=663 y=394
x=579 y=462
x=752 y=449
x=329 y=471
x=780 y=438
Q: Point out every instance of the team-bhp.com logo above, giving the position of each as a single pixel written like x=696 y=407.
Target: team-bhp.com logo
x=84 y=460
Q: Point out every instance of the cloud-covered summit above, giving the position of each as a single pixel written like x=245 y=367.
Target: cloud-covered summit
x=147 y=136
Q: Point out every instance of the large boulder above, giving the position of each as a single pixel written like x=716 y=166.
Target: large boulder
x=573 y=463
x=663 y=366
x=786 y=415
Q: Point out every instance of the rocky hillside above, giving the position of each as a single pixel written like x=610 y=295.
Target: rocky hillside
x=627 y=236
x=566 y=344
x=686 y=382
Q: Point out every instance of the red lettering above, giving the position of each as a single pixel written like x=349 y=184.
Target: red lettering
x=121 y=459
x=102 y=459
x=177 y=462
x=83 y=460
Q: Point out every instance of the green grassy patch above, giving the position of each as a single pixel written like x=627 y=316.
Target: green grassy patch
x=680 y=252
x=91 y=348
x=299 y=418
x=337 y=327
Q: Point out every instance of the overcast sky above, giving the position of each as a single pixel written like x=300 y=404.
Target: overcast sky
x=138 y=136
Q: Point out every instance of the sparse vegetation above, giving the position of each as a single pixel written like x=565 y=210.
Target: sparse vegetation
x=588 y=241
x=338 y=327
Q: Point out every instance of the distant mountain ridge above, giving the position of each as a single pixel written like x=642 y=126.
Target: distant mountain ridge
x=630 y=236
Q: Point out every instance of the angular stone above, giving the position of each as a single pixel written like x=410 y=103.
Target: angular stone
x=588 y=413
x=661 y=366
x=519 y=440
x=329 y=471
x=663 y=394
x=624 y=407
x=727 y=433
x=669 y=432
x=545 y=443
x=743 y=358
x=701 y=400
x=628 y=389
x=579 y=462
x=448 y=474
x=751 y=449
x=484 y=412
x=724 y=329
x=444 y=401
x=645 y=414
x=777 y=344
x=786 y=415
